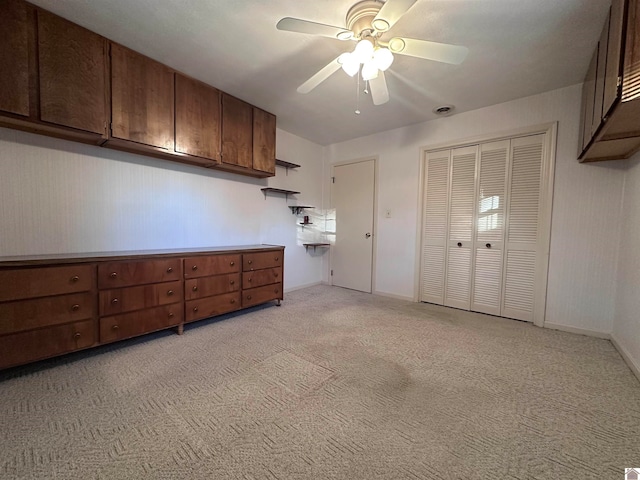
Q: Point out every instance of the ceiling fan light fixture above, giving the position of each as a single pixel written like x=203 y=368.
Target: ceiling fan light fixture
x=383 y=58
x=369 y=70
x=364 y=50
x=349 y=63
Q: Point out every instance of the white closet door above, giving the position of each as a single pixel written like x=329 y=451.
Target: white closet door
x=435 y=220
x=459 y=244
x=522 y=227
x=490 y=221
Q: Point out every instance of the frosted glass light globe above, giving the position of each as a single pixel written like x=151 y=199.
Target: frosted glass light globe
x=369 y=70
x=383 y=58
x=364 y=50
x=349 y=63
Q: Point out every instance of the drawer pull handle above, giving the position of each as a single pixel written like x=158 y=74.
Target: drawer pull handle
x=232 y=282
x=277 y=258
x=250 y=262
x=170 y=292
x=76 y=335
x=115 y=328
x=195 y=288
x=233 y=300
x=113 y=275
x=170 y=314
x=275 y=290
x=248 y=297
x=75 y=278
x=115 y=301
x=170 y=269
x=232 y=263
x=194 y=268
x=275 y=274
x=195 y=309
x=249 y=280
x=75 y=307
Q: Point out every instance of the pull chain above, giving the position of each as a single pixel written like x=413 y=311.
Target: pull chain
x=358 y=95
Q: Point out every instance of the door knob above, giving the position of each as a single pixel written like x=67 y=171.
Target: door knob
x=459 y=244
x=488 y=245
x=367 y=235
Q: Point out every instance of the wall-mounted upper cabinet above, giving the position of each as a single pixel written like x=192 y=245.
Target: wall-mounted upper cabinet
x=198 y=120
x=53 y=79
x=142 y=99
x=72 y=75
x=237 y=132
x=610 y=127
x=62 y=80
x=14 y=57
x=264 y=141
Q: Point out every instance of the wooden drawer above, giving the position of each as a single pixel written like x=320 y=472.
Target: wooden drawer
x=208 y=286
x=42 y=282
x=211 y=306
x=259 y=295
x=211 y=265
x=47 y=311
x=124 y=274
x=38 y=344
x=259 y=278
x=258 y=261
x=120 y=300
x=128 y=325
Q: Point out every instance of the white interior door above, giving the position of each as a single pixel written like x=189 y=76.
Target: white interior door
x=461 y=214
x=489 y=236
x=352 y=197
x=435 y=223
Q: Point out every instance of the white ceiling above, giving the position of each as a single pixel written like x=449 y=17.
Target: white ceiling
x=516 y=48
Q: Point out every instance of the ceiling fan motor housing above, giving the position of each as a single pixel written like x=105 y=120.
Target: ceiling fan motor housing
x=361 y=15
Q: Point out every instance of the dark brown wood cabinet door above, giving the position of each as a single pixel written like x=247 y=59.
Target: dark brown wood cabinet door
x=589 y=97
x=142 y=99
x=614 y=55
x=237 y=135
x=198 y=126
x=264 y=141
x=72 y=67
x=14 y=57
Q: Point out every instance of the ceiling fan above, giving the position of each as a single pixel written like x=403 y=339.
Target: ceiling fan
x=368 y=22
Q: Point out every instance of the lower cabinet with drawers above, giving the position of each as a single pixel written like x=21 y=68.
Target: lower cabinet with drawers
x=56 y=305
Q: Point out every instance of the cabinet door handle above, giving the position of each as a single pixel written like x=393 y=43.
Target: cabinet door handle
x=75 y=278
x=275 y=290
x=115 y=328
x=195 y=309
x=170 y=269
x=232 y=263
x=114 y=301
x=232 y=282
x=75 y=307
x=195 y=288
x=248 y=297
x=488 y=245
x=113 y=275
x=194 y=268
x=77 y=335
x=277 y=258
x=250 y=262
x=170 y=292
x=170 y=314
x=249 y=280
x=233 y=300
x=275 y=274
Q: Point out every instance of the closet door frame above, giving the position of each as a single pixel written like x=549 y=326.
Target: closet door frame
x=550 y=130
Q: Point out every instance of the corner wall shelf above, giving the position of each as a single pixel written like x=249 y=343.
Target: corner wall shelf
x=286 y=193
x=287 y=165
x=314 y=245
x=297 y=209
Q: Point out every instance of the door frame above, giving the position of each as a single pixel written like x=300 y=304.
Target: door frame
x=545 y=209
x=374 y=232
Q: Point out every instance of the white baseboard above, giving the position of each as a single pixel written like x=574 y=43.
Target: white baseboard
x=579 y=331
x=300 y=287
x=635 y=368
x=392 y=295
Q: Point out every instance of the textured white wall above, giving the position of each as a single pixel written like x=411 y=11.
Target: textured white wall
x=62 y=197
x=586 y=210
x=626 y=326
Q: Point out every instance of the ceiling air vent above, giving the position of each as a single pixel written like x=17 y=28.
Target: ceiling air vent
x=444 y=110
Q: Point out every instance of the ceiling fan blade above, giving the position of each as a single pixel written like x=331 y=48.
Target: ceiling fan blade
x=328 y=70
x=390 y=13
x=304 y=26
x=440 y=52
x=379 y=90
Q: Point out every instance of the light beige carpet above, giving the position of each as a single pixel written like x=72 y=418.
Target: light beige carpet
x=334 y=384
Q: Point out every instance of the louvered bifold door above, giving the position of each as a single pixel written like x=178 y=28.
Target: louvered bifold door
x=489 y=235
x=459 y=244
x=523 y=213
x=434 y=235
